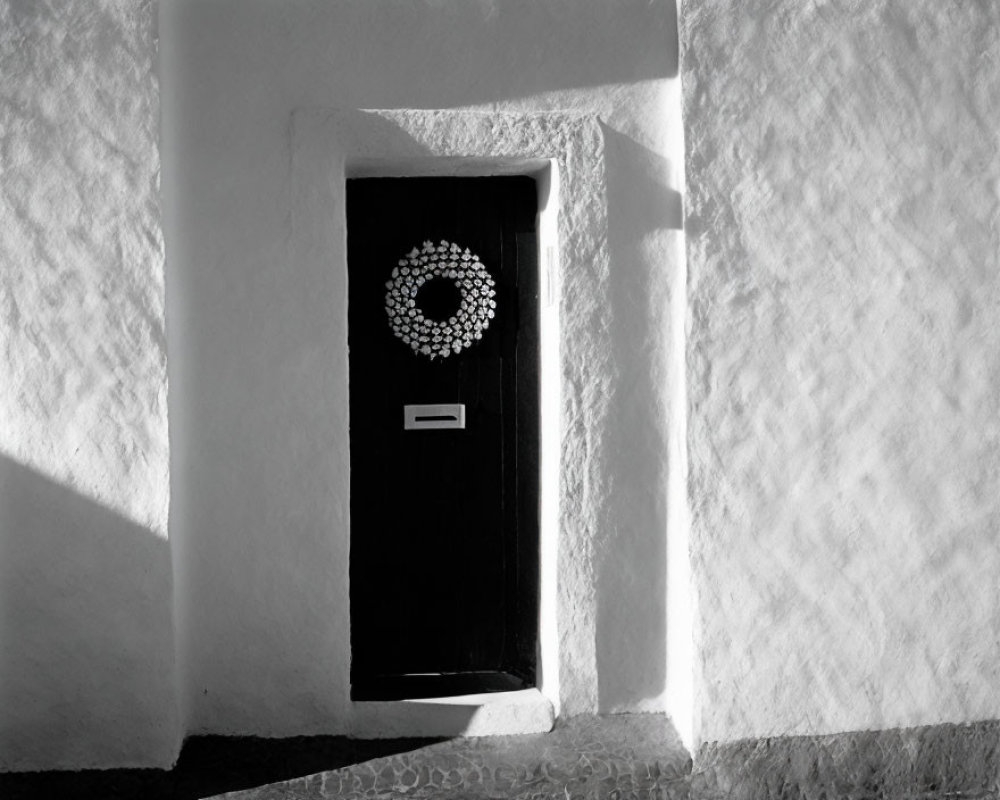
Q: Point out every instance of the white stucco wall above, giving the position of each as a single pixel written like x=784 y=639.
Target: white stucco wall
x=254 y=528
x=844 y=189
x=843 y=243
x=86 y=645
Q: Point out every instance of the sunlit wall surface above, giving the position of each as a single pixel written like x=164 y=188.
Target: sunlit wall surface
x=842 y=228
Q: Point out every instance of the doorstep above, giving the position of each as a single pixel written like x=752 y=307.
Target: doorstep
x=489 y=714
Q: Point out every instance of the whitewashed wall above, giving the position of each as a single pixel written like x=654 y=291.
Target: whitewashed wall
x=254 y=523
x=843 y=215
x=844 y=189
x=86 y=643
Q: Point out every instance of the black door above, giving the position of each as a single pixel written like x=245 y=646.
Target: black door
x=444 y=513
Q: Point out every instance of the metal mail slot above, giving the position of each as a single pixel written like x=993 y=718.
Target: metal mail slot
x=447 y=415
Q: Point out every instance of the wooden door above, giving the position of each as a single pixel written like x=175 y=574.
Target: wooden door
x=444 y=521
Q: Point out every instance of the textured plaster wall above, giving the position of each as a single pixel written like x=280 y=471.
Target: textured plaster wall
x=255 y=523
x=86 y=645
x=844 y=186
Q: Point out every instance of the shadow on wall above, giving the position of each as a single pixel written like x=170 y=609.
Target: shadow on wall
x=86 y=645
x=644 y=216
x=431 y=54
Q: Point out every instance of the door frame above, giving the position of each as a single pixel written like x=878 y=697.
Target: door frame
x=545 y=174
x=565 y=152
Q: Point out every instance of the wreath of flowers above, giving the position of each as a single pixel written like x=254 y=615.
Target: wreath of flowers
x=449 y=337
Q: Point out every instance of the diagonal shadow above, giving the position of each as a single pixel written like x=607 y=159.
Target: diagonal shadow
x=461 y=50
x=86 y=641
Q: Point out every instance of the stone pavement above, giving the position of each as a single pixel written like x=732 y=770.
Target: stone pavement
x=624 y=757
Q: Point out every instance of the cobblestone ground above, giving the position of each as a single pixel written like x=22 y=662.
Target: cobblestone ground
x=627 y=757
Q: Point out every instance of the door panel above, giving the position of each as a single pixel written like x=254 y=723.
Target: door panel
x=444 y=523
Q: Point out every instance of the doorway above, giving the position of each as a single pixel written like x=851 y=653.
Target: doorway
x=444 y=409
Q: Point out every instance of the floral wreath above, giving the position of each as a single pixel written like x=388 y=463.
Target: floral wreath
x=430 y=337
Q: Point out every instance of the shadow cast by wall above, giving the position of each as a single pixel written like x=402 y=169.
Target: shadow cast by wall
x=644 y=217
x=86 y=642
x=462 y=52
